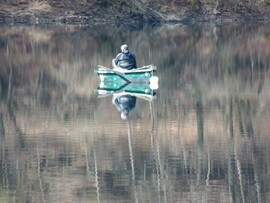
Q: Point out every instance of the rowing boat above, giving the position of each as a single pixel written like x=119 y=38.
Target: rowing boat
x=139 y=75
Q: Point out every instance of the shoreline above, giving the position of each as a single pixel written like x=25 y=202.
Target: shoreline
x=136 y=21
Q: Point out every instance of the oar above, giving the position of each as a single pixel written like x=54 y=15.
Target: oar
x=115 y=71
x=121 y=75
x=108 y=94
x=143 y=67
x=154 y=68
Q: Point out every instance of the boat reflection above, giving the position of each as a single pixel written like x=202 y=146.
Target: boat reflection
x=124 y=96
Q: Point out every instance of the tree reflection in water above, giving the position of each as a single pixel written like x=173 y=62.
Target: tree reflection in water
x=203 y=139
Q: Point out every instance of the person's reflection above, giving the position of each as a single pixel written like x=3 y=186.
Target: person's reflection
x=124 y=103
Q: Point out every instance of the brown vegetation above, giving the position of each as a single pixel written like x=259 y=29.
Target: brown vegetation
x=131 y=11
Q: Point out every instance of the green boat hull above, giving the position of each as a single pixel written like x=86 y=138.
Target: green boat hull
x=140 y=75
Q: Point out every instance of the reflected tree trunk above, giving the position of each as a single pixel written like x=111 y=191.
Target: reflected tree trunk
x=96 y=176
x=182 y=145
x=199 y=115
x=5 y=169
x=18 y=131
x=240 y=118
x=38 y=88
x=39 y=174
x=12 y=113
x=9 y=80
x=2 y=127
x=234 y=165
x=132 y=163
x=256 y=155
x=200 y=131
x=239 y=170
x=231 y=160
x=156 y=153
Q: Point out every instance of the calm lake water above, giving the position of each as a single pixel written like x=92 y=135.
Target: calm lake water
x=204 y=137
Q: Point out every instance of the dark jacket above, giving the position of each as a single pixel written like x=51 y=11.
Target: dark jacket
x=125 y=60
x=125 y=103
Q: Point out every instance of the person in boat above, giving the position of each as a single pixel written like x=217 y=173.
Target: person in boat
x=124 y=103
x=124 y=60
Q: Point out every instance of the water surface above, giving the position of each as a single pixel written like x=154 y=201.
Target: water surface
x=204 y=138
